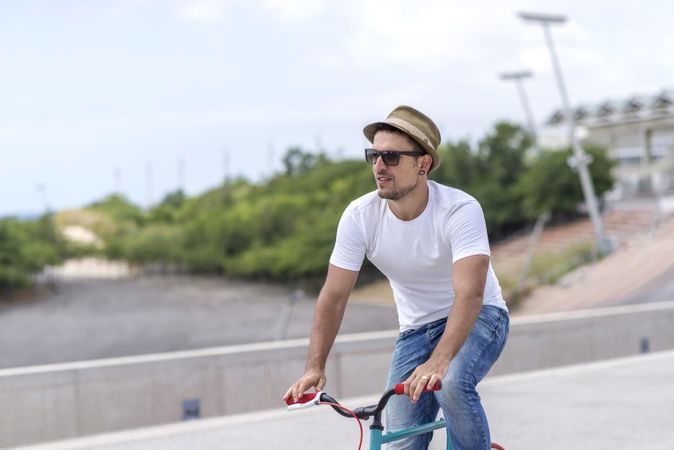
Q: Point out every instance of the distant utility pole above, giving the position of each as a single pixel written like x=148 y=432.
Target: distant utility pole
x=517 y=77
x=117 y=175
x=580 y=160
x=286 y=313
x=148 y=184
x=42 y=190
x=225 y=165
x=181 y=174
x=318 y=142
x=270 y=158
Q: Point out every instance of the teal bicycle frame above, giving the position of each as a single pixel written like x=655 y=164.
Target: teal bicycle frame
x=377 y=438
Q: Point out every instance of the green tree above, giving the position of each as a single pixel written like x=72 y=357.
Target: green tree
x=549 y=184
x=155 y=243
x=297 y=161
x=490 y=174
x=284 y=227
x=166 y=211
x=26 y=247
x=460 y=167
x=502 y=156
x=119 y=219
x=119 y=208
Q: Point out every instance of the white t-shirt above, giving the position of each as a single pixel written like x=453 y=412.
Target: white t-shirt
x=417 y=255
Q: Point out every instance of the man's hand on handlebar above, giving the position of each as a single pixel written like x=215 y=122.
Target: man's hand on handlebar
x=425 y=376
x=311 y=378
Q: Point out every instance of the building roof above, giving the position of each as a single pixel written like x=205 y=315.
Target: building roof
x=617 y=111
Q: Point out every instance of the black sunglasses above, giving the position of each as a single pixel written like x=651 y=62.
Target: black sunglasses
x=390 y=157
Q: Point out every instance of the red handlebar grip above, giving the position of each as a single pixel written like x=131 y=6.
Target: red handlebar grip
x=303 y=399
x=400 y=388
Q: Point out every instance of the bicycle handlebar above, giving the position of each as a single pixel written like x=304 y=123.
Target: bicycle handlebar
x=315 y=398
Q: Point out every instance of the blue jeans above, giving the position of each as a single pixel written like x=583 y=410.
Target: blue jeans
x=467 y=424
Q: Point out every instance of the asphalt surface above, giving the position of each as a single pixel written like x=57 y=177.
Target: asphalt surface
x=110 y=318
x=660 y=289
x=616 y=404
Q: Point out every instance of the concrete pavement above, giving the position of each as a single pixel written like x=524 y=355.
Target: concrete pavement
x=617 y=404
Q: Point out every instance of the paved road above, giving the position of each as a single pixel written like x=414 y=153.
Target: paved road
x=109 y=318
x=619 y=404
x=660 y=289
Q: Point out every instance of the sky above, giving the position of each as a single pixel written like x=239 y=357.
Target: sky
x=144 y=97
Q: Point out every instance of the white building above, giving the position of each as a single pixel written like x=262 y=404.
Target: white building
x=638 y=132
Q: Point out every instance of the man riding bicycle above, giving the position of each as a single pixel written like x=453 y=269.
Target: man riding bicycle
x=431 y=243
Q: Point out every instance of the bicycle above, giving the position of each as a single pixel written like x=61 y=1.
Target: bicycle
x=377 y=436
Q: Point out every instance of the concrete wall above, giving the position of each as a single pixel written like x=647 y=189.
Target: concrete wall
x=44 y=403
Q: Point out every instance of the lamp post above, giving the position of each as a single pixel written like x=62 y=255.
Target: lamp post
x=517 y=77
x=42 y=190
x=580 y=159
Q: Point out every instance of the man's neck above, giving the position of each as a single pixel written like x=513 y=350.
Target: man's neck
x=413 y=204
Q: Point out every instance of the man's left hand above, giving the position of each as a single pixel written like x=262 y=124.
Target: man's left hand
x=424 y=376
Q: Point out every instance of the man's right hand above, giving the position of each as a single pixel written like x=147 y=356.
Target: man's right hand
x=311 y=378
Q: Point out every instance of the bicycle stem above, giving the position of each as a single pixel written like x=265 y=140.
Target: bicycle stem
x=376 y=420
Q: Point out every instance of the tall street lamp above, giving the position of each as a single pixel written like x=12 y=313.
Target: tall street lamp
x=517 y=77
x=580 y=159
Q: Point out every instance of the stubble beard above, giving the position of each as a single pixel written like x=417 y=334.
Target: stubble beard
x=397 y=193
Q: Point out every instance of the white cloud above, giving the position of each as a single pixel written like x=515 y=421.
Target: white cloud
x=424 y=36
x=668 y=49
x=218 y=11
x=125 y=8
x=536 y=59
x=420 y=33
x=203 y=11
x=294 y=11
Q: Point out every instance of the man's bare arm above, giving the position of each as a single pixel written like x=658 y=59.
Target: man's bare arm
x=468 y=279
x=327 y=319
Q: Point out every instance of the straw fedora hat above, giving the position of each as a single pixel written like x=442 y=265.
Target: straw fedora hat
x=414 y=124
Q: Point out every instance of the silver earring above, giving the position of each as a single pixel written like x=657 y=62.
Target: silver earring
x=422 y=172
